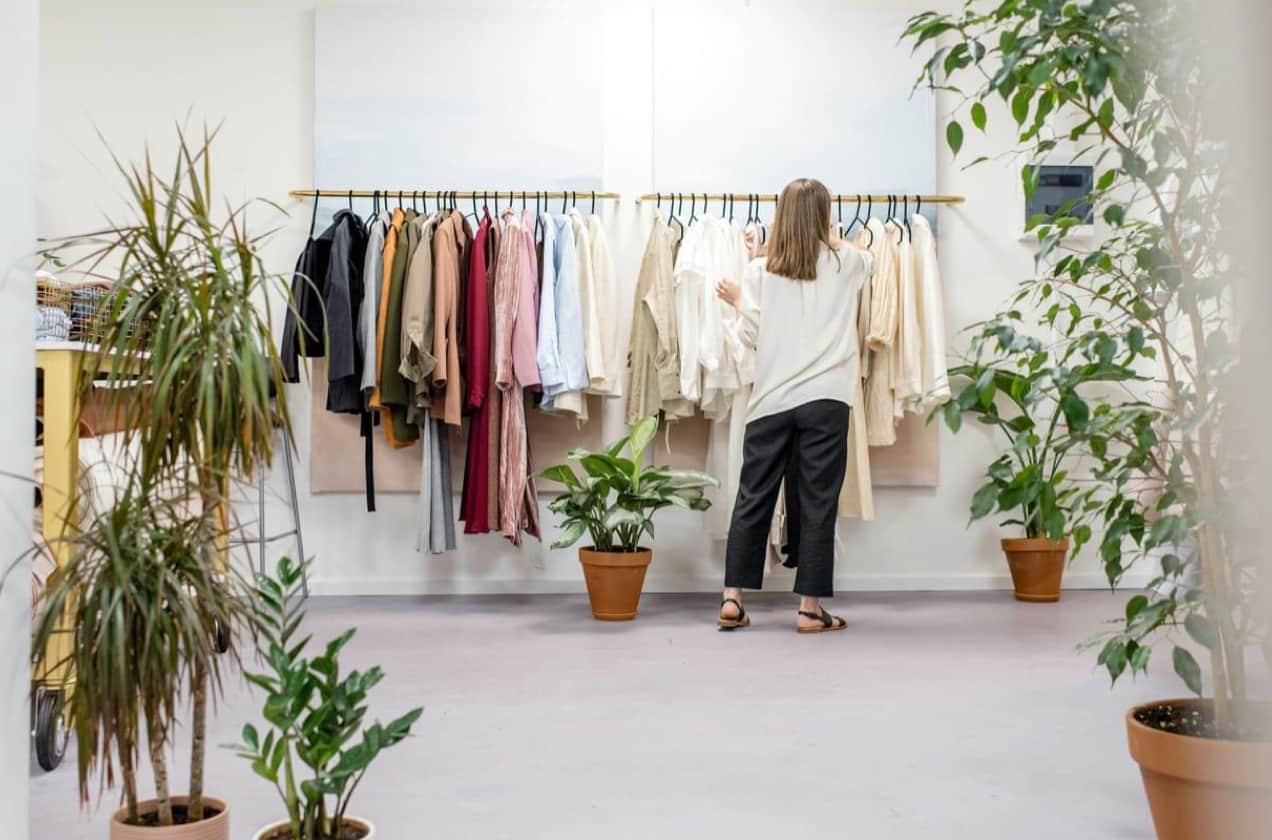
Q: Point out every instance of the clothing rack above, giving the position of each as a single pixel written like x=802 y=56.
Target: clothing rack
x=569 y=195
x=772 y=197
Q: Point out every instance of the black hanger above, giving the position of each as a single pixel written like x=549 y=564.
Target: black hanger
x=313 y=217
x=905 y=216
x=866 y=222
x=593 y=213
x=693 y=207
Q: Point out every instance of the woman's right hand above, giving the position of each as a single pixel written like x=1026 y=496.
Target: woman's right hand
x=729 y=292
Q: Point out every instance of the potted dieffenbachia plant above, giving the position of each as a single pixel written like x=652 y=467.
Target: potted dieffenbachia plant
x=316 y=748
x=613 y=504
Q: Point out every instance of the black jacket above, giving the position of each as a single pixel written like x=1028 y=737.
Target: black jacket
x=326 y=295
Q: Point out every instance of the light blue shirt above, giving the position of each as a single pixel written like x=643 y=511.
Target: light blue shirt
x=547 y=353
x=562 y=350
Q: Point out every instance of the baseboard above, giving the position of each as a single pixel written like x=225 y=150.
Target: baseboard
x=846 y=583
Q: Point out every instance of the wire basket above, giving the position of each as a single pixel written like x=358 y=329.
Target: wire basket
x=89 y=321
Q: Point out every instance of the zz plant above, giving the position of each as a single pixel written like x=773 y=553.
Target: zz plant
x=317 y=749
x=1121 y=85
x=614 y=500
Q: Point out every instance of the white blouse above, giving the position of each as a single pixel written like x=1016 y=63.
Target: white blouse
x=804 y=331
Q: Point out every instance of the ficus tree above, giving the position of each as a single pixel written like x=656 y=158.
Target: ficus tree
x=1120 y=85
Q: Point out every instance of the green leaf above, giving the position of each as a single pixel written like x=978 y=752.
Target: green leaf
x=561 y=473
x=1135 y=340
x=1139 y=658
x=1106 y=180
x=1113 y=657
x=983 y=501
x=570 y=534
x=1201 y=631
x=1020 y=105
x=953 y=416
x=954 y=136
x=1105 y=115
x=979 y=117
x=1115 y=214
x=1134 y=606
x=1076 y=411
x=1188 y=669
x=642 y=433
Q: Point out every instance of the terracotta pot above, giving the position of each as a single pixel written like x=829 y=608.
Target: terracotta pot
x=365 y=825
x=1036 y=567
x=614 y=580
x=1202 y=788
x=217 y=828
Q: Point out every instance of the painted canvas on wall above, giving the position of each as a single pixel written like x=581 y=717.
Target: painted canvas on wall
x=748 y=100
x=456 y=99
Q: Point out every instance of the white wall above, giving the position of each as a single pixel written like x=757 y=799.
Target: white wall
x=18 y=19
x=130 y=69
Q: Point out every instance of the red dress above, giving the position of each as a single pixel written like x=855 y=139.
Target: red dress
x=481 y=396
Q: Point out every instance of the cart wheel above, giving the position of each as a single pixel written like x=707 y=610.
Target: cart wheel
x=221 y=638
x=50 y=735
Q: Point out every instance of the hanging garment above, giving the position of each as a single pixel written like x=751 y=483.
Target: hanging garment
x=437 y=523
x=369 y=313
x=884 y=317
x=712 y=251
x=563 y=367
x=449 y=243
x=397 y=395
x=653 y=355
x=907 y=361
x=593 y=339
x=494 y=396
x=574 y=402
x=327 y=290
x=547 y=353
x=476 y=493
x=515 y=365
x=606 y=377
x=391 y=236
x=418 y=360
x=931 y=306
x=728 y=379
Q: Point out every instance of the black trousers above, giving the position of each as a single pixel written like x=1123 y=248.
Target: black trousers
x=810 y=443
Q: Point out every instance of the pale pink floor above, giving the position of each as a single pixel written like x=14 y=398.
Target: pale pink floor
x=935 y=715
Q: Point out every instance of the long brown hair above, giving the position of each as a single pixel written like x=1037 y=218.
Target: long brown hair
x=801 y=226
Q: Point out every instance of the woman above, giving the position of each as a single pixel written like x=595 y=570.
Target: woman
x=797 y=309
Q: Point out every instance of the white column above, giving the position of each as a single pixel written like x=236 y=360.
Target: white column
x=18 y=40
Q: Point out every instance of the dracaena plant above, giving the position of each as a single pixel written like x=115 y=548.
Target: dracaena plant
x=1040 y=398
x=614 y=500
x=317 y=747
x=1121 y=85
x=189 y=315
x=143 y=605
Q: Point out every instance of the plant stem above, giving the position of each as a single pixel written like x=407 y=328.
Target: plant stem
x=198 y=743
x=130 y=782
x=159 y=763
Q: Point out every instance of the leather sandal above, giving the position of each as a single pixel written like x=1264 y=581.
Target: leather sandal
x=741 y=620
x=828 y=622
